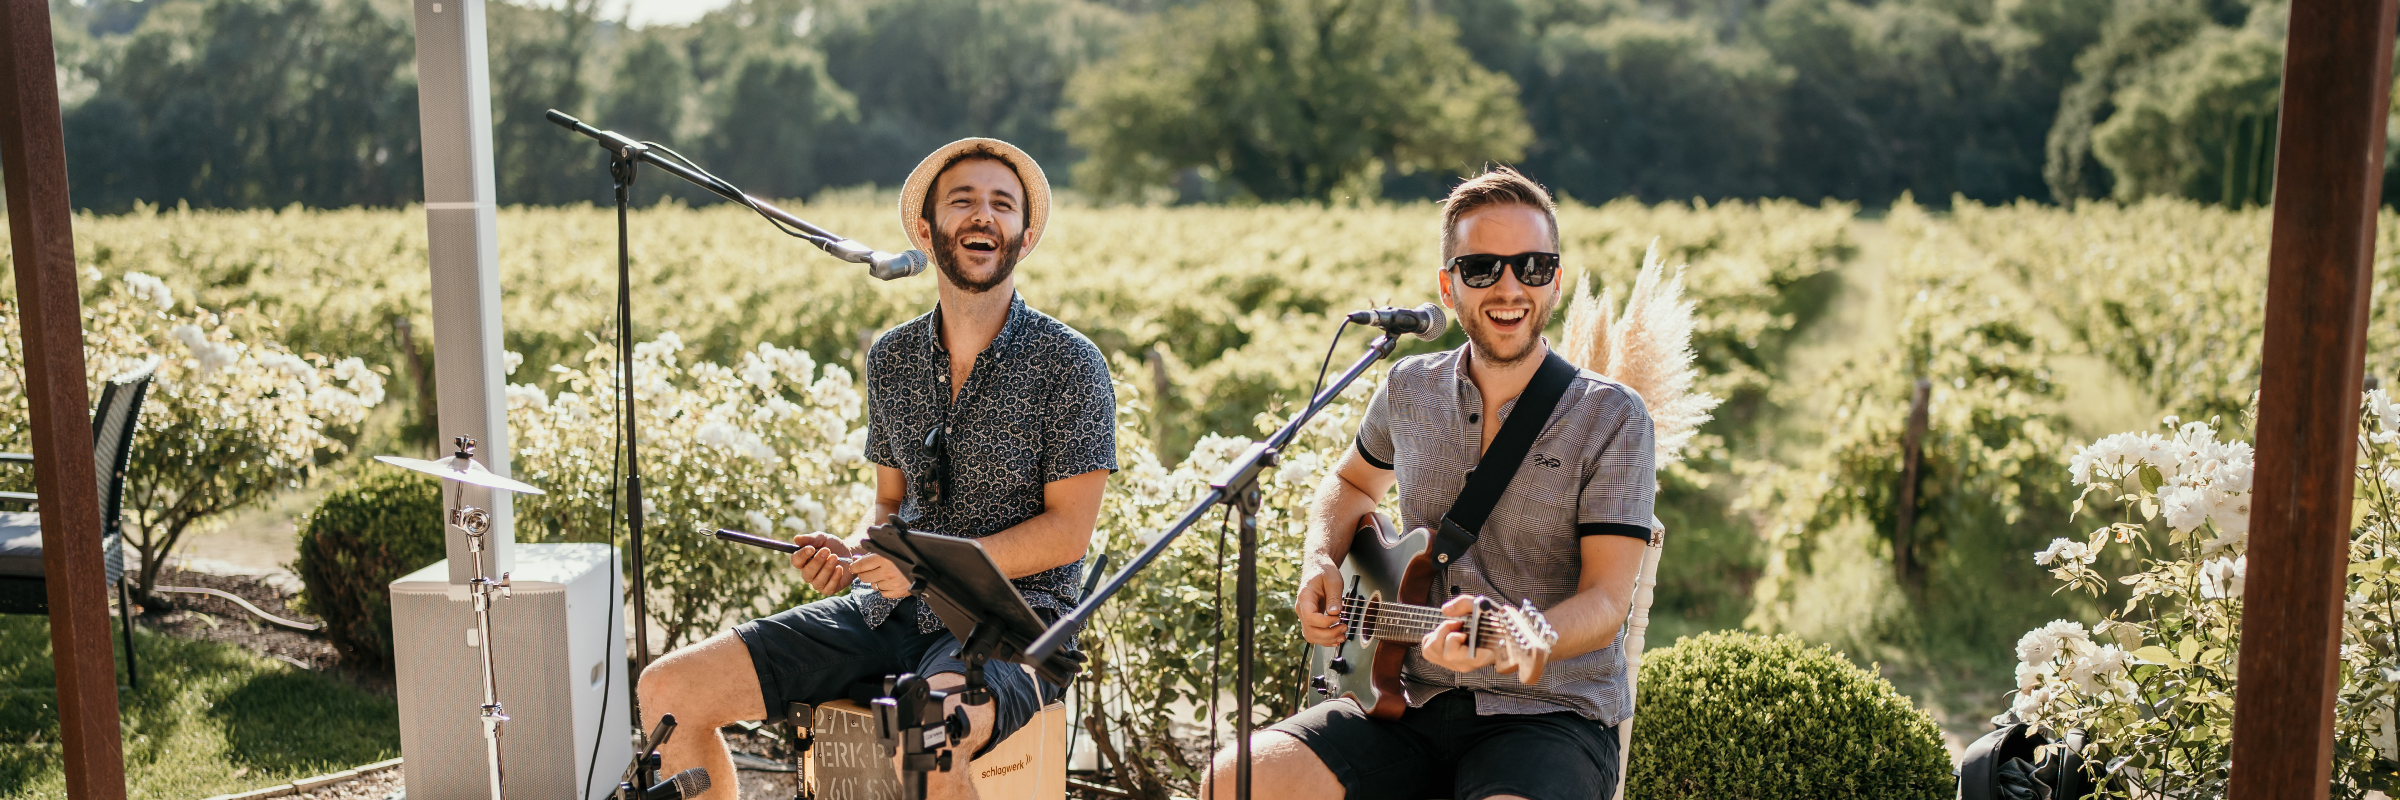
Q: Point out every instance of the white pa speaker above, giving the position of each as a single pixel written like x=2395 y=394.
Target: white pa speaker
x=559 y=651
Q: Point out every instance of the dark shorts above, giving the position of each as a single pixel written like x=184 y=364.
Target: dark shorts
x=814 y=654
x=1445 y=750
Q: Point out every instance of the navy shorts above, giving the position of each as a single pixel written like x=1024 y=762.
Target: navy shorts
x=1444 y=749
x=814 y=653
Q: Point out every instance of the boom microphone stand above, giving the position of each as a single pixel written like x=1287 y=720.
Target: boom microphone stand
x=624 y=156
x=1237 y=487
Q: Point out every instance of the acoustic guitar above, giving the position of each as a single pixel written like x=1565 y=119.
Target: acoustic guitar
x=1382 y=567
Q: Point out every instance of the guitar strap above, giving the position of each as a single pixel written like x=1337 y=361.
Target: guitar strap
x=1491 y=475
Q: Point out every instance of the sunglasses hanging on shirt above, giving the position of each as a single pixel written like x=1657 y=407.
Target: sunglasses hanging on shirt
x=935 y=453
x=1481 y=270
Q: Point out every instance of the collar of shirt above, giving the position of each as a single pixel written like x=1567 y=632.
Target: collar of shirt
x=1001 y=344
x=1470 y=396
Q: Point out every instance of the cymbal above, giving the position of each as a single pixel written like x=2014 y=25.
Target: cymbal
x=463 y=470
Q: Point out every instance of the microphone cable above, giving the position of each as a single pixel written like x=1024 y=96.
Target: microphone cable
x=726 y=187
x=616 y=595
x=1337 y=342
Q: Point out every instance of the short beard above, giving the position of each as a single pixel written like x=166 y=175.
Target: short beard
x=944 y=247
x=1487 y=350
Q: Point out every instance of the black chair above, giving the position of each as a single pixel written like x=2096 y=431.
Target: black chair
x=22 y=588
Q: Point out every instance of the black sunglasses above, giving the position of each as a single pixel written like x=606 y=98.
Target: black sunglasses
x=1481 y=270
x=935 y=454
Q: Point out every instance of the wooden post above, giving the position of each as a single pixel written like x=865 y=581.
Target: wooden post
x=1912 y=448
x=2328 y=182
x=33 y=155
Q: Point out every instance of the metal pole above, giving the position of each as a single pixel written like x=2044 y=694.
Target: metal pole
x=2328 y=183
x=33 y=155
x=1245 y=604
x=621 y=168
x=475 y=523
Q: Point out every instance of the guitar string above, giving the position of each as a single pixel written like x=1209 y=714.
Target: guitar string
x=1407 y=620
x=1395 y=609
x=1417 y=626
x=1398 y=613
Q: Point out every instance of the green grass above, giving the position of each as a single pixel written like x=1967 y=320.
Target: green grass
x=209 y=719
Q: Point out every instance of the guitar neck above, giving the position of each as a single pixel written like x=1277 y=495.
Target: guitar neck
x=1400 y=622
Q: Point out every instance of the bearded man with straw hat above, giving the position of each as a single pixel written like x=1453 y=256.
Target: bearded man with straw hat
x=986 y=419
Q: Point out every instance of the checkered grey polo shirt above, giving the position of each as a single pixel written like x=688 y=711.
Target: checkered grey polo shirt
x=1590 y=472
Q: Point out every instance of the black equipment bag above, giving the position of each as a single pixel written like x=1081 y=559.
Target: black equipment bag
x=1499 y=464
x=2007 y=764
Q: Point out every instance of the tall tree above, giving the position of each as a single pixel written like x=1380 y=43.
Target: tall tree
x=774 y=111
x=2138 y=34
x=249 y=103
x=2199 y=122
x=1290 y=99
x=1655 y=110
x=537 y=61
x=926 y=72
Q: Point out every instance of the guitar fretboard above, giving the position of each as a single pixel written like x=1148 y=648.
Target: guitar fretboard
x=1401 y=622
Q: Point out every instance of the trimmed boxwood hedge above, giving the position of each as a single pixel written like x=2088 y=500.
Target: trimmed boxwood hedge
x=360 y=539
x=1738 y=715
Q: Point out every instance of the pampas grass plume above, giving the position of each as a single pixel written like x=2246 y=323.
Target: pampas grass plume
x=1648 y=349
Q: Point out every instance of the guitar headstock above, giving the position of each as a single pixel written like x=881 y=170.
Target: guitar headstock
x=1525 y=639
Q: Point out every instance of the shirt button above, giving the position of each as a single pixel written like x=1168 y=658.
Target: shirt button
x=1474 y=418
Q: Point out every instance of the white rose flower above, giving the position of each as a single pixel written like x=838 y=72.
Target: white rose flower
x=2184 y=508
x=2029 y=677
x=2031 y=706
x=2092 y=672
x=2037 y=646
x=2221 y=578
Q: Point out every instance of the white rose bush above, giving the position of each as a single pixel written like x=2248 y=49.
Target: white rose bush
x=2151 y=685
x=773 y=444
x=232 y=416
x=1163 y=647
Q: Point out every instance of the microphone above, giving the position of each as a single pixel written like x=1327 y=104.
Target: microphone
x=882 y=265
x=1424 y=322
x=688 y=783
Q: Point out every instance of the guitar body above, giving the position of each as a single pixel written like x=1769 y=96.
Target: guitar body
x=1383 y=567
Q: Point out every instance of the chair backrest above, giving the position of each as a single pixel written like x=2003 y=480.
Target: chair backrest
x=1637 y=623
x=112 y=439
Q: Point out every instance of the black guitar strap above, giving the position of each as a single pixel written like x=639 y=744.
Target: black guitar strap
x=1499 y=464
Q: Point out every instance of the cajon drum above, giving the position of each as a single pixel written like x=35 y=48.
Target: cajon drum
x=847 y=764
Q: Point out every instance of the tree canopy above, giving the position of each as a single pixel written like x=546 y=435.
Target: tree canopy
x=268 y=103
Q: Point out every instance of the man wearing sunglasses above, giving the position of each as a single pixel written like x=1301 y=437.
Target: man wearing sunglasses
x=986 y=419
x=1566 y=533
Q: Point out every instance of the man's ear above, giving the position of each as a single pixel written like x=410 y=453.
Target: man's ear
x=1443 y=276
x=1031 y=238
x=924 y=230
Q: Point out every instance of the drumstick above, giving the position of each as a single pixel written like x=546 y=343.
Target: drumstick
x=738 y=537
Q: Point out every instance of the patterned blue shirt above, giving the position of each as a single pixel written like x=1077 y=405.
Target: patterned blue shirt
x=1038 y=407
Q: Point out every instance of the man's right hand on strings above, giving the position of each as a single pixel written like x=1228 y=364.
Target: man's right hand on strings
x=1320 y=604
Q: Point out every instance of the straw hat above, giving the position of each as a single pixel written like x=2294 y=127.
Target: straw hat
x=920 y=181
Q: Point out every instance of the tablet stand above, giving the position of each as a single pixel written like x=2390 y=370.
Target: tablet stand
x=976 y=602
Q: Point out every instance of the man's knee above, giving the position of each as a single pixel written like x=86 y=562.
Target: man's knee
x=1279 y=763
x=701 y=684
x=980 y=718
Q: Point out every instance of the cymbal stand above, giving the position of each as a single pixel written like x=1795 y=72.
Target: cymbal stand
x=476 y=522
